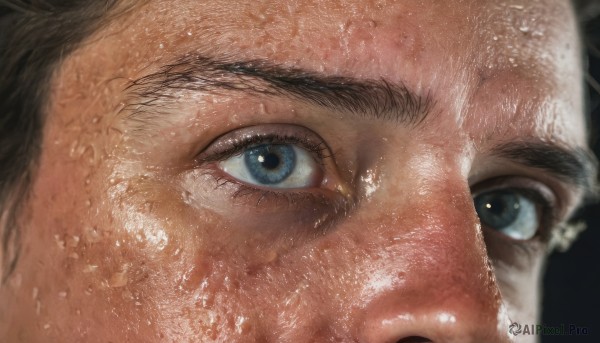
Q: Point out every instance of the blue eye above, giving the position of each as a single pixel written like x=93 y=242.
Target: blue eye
x=273 y=165
x=508 y=212
x=270 y=164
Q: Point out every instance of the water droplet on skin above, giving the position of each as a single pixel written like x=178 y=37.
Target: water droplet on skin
x=73 y=241
x=59 y=242
x=112 y=181
x=161 y=46
x=189 y=33
x=63 y=294
x=88 y=203
x=38 y=307
x=516 y=7
x=74 y=255
x=47 y=326
x=495 y=38
x=118 y=279
x=187 y=197
x=78 y=312
x=90 y=268
x=92 y=235
x=34 y=293
x=88 y=291
x=524 y=29
x=241 y=325
x=321 y=220
x=16 y=281
x=95 y=120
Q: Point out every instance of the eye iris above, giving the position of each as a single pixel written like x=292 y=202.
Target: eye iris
x=498 y=209
x=270 y=164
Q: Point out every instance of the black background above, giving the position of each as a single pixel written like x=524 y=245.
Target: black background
x=572 y=283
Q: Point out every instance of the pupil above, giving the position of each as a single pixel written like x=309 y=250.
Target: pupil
x=269 y=161
x=497 y=206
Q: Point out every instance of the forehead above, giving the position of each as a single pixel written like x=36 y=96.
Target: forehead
x=487 y=63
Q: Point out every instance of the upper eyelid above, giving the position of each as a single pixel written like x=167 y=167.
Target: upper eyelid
x=235 y=141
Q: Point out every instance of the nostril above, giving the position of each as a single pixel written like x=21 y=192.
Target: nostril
x=415 y=339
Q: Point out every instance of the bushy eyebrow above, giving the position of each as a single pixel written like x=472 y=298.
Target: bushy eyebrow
x=577 y=166
x=379 y=99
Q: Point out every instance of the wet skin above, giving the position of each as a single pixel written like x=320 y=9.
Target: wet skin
x=138 y=230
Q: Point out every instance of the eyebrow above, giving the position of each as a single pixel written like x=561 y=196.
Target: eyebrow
x=577 y=166
x=381 y=99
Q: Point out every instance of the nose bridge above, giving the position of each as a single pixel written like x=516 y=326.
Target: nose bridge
x=448 y=291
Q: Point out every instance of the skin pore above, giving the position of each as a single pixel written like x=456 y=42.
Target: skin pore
x=141 y=227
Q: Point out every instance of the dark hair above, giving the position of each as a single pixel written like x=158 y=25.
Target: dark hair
x=34 y=34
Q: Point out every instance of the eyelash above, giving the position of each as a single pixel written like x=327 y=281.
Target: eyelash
x=319 y=150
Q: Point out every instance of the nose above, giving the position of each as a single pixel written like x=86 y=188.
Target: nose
x=447 y=291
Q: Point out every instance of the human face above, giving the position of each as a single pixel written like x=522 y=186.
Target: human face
x=158 y=213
